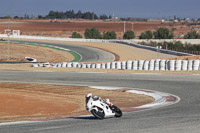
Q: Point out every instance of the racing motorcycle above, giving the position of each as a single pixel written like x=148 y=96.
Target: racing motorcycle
x=101 y=108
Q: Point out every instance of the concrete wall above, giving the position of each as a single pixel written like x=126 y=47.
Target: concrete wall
x=189 y=41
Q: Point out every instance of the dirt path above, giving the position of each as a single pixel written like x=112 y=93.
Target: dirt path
x=35 y=101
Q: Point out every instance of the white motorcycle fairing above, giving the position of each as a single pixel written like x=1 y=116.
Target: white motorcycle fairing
x=100 y=107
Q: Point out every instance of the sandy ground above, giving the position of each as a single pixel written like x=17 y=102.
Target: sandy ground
x=36 y=101
x=65 y=28
x=19 y=51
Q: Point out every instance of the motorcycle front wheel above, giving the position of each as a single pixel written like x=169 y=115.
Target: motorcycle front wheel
x=99 y=113
x=118 y=112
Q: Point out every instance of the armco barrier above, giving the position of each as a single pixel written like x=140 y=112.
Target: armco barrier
x=162 y=65
x=152 y=48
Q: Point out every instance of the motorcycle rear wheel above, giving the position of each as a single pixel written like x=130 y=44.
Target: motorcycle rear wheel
x=118 y=112
x=98 y=114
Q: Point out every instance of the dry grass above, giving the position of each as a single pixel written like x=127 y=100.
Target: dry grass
x=19 y=51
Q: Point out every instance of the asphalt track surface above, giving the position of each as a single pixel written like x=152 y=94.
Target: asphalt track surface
x=183 y=117
x=88 y=54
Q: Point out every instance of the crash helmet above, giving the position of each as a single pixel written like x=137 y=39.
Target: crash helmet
x=88 y=95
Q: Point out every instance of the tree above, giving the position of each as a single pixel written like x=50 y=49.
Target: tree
x=40 y=17
x=52 y=15
x=129 y=35
x=146 y=35
x=103 y=17
x=109 y=35
x=76 y=35
x=79 y=14
x=163 y=33
x=16 y=17
x=192 y=35
x=92 y=33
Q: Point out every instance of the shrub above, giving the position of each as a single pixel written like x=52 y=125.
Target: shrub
x=76 y=35
x=192 y=35
x=146 y=35
x=163 y=33
x=92 y=33
x=129 y=35
x=109 y=35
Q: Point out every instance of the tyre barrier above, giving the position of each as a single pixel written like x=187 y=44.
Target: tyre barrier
x=119 y=65
x=151 y=65
x=162 y=65
x=146 y=65
x=178 y=65
x=184 y=65
x=157 y=65
x=103 y=65
x=123 y=64
x=129 y=65
x=140 y=64
x=135 y=65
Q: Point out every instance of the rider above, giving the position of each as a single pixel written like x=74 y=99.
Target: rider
x=89 y=95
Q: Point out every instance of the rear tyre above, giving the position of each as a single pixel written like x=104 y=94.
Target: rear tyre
x=98 y=114
x=118 y=112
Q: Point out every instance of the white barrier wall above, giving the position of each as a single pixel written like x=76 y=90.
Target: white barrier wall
x=184 y=65
x=162 y=65
x=135 y=65
x=119 y=65
x=146 y=65
x=157 y=64
x=151 y=65
x=140 y=64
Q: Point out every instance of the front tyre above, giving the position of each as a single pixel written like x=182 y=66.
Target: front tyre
x=98 y=113
x=118 y=112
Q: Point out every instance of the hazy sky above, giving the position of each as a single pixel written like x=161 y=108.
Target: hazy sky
x=121 y=8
